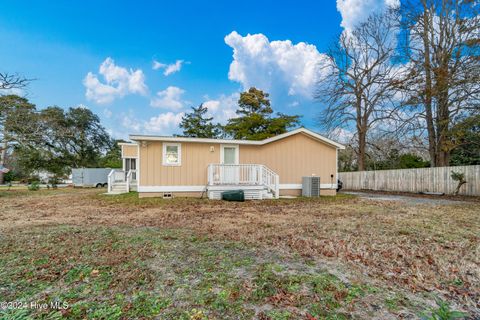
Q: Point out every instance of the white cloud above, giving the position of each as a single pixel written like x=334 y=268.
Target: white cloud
x=15 y=91
x=223 y=108
x=158 y=65
x=169 y=68
x=170 y=98
x=357 y=11
x=279 y=66
x=131 y=123
x=294 y=104
x=118 y=83
x=164 y=123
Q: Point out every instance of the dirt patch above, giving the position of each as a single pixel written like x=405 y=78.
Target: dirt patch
x=406 y=199
x=422 y=249
x=459 y=198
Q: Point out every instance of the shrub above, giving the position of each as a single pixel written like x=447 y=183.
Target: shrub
x=34 y=186
x=9 y=176
x=460 y=177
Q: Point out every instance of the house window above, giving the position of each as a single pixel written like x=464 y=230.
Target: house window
x=172 y=154
x=229 y=154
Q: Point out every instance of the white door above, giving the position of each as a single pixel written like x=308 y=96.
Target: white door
x=131 y=164
x=231 y=172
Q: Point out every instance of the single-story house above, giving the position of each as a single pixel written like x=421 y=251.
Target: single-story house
x=159 y=166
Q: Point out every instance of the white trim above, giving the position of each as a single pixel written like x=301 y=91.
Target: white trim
x=288 y=186
x=294 y=186
x=234 y=187
x=127 y=143
x=171 y=188
x=305 y=131
x=194 y=188
x=237 y=152
x=249 y=142
x=138 y=165
x=336 y=170
x=164 y=152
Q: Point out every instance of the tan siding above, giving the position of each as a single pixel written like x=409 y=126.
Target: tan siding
x=193 y=171
x=291 y=192
x=293 y=157
x=129 y=151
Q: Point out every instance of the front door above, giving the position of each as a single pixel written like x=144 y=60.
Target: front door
x=131 y=164
x=231 y=172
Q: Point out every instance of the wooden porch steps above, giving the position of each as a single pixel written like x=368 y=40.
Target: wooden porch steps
x=121 y=187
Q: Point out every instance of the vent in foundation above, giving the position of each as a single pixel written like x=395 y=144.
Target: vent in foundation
x=167 y=195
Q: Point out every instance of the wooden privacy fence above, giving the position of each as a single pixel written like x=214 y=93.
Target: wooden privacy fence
x=414 y=180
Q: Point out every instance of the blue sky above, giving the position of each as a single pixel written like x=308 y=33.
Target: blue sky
x=101 y=54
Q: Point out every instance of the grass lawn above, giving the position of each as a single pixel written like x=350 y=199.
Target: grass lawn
x=121 y=257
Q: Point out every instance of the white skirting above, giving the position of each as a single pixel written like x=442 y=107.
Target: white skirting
x=291 y=186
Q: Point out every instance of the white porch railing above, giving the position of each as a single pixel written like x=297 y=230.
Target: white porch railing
x=121 y=176
x=244 y=174
x=131 y=176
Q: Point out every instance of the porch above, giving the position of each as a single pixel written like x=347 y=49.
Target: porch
x=256 y=180
x=122 y=181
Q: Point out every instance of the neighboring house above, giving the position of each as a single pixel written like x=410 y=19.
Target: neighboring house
x=159 y=166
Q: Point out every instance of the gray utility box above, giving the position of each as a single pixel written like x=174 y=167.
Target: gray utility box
x=90 y=177
x=310 y=186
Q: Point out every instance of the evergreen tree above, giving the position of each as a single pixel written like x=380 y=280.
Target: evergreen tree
x=465 y=136
x=196 y=124
x=255 y=120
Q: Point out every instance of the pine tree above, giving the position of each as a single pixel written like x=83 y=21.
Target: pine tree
x=196 y=124
x=255 y=121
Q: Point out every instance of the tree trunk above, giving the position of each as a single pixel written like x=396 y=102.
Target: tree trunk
x=443 y=113
x=362 y=144
x=428 y=92
x=443 y=149
x=3 y=154
x=361 y=131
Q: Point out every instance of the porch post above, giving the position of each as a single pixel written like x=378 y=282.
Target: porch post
x=260 y=178
x=209 y=174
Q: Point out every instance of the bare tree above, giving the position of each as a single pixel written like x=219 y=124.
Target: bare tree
x=9 y=81
x=359 y=78
x=442 y=46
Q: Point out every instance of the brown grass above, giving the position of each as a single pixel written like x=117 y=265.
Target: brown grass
x=419 y=248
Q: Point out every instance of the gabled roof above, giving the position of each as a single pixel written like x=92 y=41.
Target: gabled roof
x=234 y=141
